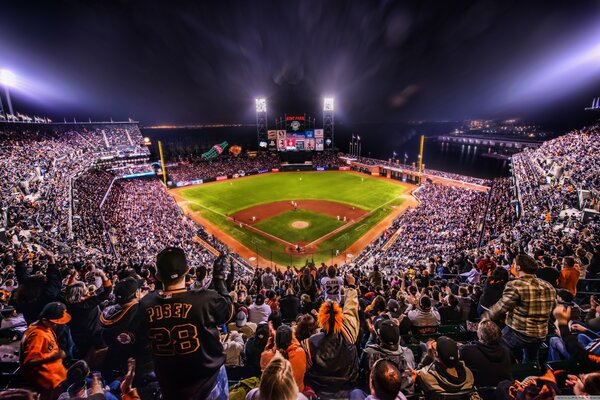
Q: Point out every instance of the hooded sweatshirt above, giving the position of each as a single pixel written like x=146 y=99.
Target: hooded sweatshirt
x=489 y=363
x=434 y=378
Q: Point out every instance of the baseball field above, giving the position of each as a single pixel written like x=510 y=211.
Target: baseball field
x=287 y=218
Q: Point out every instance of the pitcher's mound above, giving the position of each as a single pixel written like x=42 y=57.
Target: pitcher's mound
x=300 y=224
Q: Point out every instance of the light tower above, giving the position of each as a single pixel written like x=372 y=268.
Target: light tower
x=328 y=122
x=261 y=123
x=8 y=79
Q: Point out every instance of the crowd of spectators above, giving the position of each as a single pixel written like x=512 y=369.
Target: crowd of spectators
x=460 y=295
x=224 y=165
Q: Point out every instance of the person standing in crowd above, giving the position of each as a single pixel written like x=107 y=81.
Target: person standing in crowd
x=268 y=279
x=119 y=323
x=284 y=342
x=85 y=310
x=41 y=358
x=569 y=276
x=548 y=272
x=289 y=305
x=527 y=302
x=181 y=328
x=332 y=285
x=277 y=382
x=247 y=329
x=332 y=356
x=492 y=290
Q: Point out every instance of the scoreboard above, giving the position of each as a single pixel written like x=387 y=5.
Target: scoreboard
x=296 y=136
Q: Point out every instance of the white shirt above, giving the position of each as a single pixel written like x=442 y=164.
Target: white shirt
x=332 y=288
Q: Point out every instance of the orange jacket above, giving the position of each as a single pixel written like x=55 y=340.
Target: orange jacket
x=568 y=279
x=297 y=358
x=40 y=342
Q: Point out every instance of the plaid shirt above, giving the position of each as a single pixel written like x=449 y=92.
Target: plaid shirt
x=527 y=303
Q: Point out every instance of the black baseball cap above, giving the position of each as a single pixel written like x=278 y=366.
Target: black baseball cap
x=171 y=264
x=447 y=351
x=425 y=303
x=389 y=333
x=125 y=289
x=56 y=312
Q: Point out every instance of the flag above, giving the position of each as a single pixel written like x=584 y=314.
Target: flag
x=358 y=137
x=405 y=156
x=353 y=136
x=394 y=153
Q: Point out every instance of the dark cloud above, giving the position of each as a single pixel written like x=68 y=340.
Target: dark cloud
x=207 y=61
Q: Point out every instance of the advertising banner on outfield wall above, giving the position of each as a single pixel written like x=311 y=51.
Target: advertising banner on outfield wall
x=275 y=170
x=188 y=183
x=272 y=140
x=344 y=168
x=222 y=178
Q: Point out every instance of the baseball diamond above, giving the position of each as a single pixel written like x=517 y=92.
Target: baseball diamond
x=296 y=215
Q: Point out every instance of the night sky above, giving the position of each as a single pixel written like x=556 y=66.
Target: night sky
x=382 y=60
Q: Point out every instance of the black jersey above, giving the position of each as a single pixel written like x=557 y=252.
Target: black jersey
x=181 y=328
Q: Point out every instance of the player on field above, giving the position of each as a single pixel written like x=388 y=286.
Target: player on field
x=332 y=285
x=181 y=328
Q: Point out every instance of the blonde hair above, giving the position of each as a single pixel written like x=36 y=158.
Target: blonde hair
x=277 y=381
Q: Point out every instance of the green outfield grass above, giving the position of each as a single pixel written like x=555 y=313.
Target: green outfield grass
x=281 y=226
x=216 y=201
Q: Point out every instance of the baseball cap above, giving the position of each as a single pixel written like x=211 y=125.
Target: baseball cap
x=425 y=303
x=125 y=289
x=171 y=263
x=240 y=318
x=260 y=299
x=389 y=333
x=56 y=312
x=447 y=351
x=262 y=331
x=283 y=337
x=394 y=308
x=565 y=295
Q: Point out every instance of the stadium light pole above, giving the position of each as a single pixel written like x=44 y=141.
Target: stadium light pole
x=8 y=79
x=421 y=157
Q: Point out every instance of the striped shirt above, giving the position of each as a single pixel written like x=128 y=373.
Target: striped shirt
x=527 y=302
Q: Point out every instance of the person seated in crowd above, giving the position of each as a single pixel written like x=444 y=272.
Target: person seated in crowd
x=447 y=373
x=277 y=382
x=487 y=359
x=256 y=345
x=385 y=382
x=284 y=342
x=424 y=318
x=448 y=310
x=241 y=325
x=388 y=347
x=233 y=345
x=332 y=356
x=41 y=357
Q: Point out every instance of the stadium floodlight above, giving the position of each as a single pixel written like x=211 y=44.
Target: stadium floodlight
x=8 y=78
x=261 y=105
x=328 y=104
